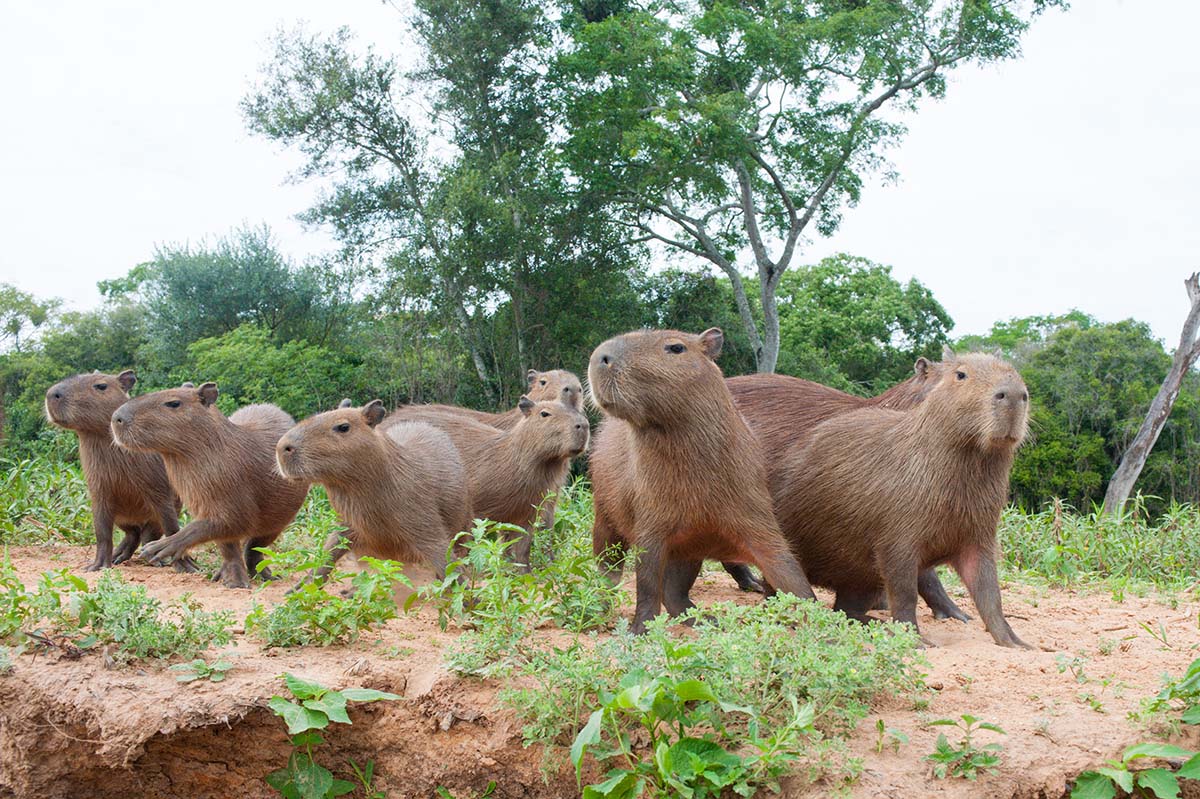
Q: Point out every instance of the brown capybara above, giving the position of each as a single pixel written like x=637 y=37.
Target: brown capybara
x=403 y=492
x=510 y=472
x=556 y=384
x=127 y=489
x=875 y=495
x=783 y=411
x=688 y=481
x=222 y=468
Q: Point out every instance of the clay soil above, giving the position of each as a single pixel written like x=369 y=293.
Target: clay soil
x=71 y=728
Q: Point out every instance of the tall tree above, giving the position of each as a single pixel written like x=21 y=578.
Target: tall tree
x=21 y=313
x=721 y=127
x=1134 y=457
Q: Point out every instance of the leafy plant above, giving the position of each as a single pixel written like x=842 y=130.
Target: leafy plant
x=1180 y=696
x=964 y=759
x=888 y=736
x=1102 y=783
x=201 y=669
x=313 y=707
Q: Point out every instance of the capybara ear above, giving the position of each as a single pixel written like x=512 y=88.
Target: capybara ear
x=374 y=412
x=346 y=403
x=127 y=379
x=921 y=367
x=530 y=376
x=711 y=341
x=947 y=353
x=187 y=384
x=208 y=393
x=525 y=405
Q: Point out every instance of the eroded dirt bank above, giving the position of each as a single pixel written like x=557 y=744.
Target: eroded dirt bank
x=72 y=728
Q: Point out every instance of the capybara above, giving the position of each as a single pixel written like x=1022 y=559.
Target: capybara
x=556 y=384
x=403 y=492
x=127 y=489
x=222 y=468
x=875 y=495
x=783 y=411
x=689 y=481
x=509 y=472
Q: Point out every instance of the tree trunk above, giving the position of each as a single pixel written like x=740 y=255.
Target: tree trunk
x=1134 y=458
x=770 y=346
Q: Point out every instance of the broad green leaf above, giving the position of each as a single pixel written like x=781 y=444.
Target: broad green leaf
x=366 y=695
x=312 y=781
x=1120 y=776
x=332 y=704
x=1155 y=750
x=1191 y=769
x=1092 y=785
x=1160 y=782
x=341 y=788
x=310 y=738
x=588 y=736
x=299 y=719
x=992 y=727
x=1192 y=715
x=619 y=785
x=302 y=689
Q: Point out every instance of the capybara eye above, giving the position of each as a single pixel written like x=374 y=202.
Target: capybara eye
x=344 y=427
x=101 y=386
x=541 y=382
x=545 y=414
x=960 y=375
x=172 y=403
x=676 y=348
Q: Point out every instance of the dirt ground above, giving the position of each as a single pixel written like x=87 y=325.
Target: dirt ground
x=73 y=728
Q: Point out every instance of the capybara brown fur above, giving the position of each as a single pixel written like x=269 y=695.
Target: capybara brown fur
x=783 y=411
x=510 y=472
x=554 y=385
x=875 y=495
x=688 y=481
x=222 y=468
x=403 y=492
x=127 y=489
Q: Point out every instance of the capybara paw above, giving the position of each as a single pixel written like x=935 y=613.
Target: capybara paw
x=234 y=581
x=97 y=565
x=159 y=552
x=186 y=565
x=752 y=585
x=265 y=575
x=951 y=614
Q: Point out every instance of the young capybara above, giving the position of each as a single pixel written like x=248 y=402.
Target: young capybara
x=875 y=495
x=222 y=468
x=127 y=489
x=556 y=384
x=510 y=472
x=403 y=492
x=688 y=481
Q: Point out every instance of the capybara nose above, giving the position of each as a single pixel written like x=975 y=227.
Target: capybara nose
x=1000 y=395
x=56 y=395
x=579 y=427
x=119 y=418
x=288 y=448
x=604 y=359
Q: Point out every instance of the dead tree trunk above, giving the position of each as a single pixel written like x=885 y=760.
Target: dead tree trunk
x=1121 y=484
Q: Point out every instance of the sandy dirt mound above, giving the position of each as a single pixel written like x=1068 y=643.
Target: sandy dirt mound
x=73 y=728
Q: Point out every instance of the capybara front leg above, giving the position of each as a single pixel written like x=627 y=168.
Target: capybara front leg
x=254 y=557
x=337 y=545
x=609 y=549
x=977 y=568
x=650 y=567
x=677 y=581
x=129 y=544
x=232 y=573
x=781 y=571
x=102 y=526
x=855 y=604
x=172 y=547
x=930 y=587
x=745 y=578
x=521 y=550
x=899 y=570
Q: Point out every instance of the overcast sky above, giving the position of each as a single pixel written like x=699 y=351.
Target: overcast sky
x=1068 y=178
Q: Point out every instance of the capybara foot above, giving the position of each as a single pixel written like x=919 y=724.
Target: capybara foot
x=186 y=565
x=230 y=576
x=745 y=578
x=163 y=551
x=265 y=575
x=98 y=564
x=125 y=551
x=952 y=612
x=1015 y=643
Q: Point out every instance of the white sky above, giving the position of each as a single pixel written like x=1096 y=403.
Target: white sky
x=1069 y=178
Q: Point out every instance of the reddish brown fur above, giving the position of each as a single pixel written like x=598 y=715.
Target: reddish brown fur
x=403 y=492
x=676 y=471
x=511 y=471
x=875 y=494
x=556 y=384
x=223 y=468
x=128 y=489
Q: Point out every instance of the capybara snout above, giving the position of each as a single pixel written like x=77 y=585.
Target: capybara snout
x=995 y=391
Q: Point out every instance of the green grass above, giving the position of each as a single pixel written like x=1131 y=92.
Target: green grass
x=43 y=502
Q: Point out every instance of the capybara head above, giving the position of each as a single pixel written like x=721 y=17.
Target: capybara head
x=328 y=446
x=557 y=384
x=85 y=403
x=556 y=430
x=654 y=376
x=983 y=398
x=168 y=421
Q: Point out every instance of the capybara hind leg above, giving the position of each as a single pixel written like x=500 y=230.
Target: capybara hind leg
x=977 y=568
x=232 y=573
x=930 y=587
x=254 y=557
x=521 y=551
x=678 y=578
x=102 y=526
x=745 y=578
x=781 y=571
x=337 y=545
x=650 y=568
x=129 y=544
x=855 y=604
x=899 y=571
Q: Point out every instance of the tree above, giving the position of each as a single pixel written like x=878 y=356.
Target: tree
x=1134 y=457
x=20 y=313
x=721 y=127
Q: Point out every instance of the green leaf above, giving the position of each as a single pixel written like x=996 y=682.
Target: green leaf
x=1092 y=785
x=1192 y=715
x=299 y=719
x=310 y=738
x=619 y=785
x=366 y=695
x=341 y=788
x=991 y=727
x=1119 y=776
x=1155 y=750
x=1160 y=782
x=1191 y=769
x=588 y=736
x=311 y=780
x=302 y=689
x=332 y=704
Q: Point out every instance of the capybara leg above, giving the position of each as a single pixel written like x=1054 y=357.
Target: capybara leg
x=745 y=578
x=855 y=604
x=521 y=550
x=129 y=544
x=610 y=552
x=678 y=578
x=930 y=587
x=102 y=526
x=900 y=571
x=172 y=547
x=254 y=557
x=650 y=567
x=977 y=568
x=780 y=569
x=232 y=573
